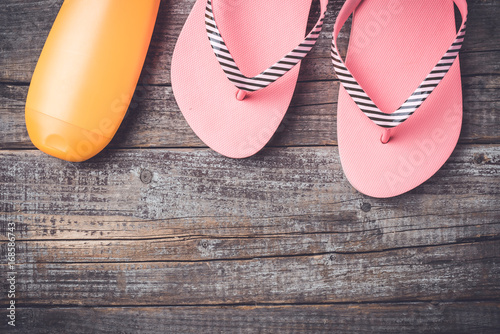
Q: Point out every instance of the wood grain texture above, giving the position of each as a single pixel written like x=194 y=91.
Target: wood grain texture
x=465 y=272
x=25 y=26
x=210 y=230
x=158 y=234
x=200 y=205
x=436 y=317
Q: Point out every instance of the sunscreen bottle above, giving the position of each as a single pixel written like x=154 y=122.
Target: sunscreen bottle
x=86 y=75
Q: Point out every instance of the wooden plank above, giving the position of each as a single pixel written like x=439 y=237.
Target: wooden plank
x=25 y=26
x=464 y=272
x=164 y=240
x=211 y=230
x=476 y=317
x=154 y=119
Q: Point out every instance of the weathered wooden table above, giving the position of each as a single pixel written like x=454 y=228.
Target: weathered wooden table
x=160 y=234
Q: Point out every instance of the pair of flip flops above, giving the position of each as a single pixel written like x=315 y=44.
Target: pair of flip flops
x=399 y=109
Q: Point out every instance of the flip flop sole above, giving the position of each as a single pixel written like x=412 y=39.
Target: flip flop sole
x=258 y=33
x=393 y=46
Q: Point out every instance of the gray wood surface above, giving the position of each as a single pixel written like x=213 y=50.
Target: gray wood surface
x=476 y=317
x=158 y=234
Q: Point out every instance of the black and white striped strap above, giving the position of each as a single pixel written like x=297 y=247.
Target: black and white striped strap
x=274 y=72
x=423 y=91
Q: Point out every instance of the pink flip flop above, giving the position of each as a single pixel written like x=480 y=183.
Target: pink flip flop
x=229 y=76
x=400 y=101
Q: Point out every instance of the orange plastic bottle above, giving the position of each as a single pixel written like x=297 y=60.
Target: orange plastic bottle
x=87 y=74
